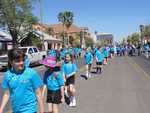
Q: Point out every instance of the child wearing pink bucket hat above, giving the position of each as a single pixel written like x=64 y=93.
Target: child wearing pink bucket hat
x=49 y=62
x=54 y=83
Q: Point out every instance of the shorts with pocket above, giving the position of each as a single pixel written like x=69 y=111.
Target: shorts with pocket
x=70 y=80
x=54 y=96
x=99 y=63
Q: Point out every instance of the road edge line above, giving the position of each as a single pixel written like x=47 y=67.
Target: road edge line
x=138 y=66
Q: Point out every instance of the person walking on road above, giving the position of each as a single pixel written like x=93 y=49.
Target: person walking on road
x=99 y=60
x=69 y=69
x=54 y=83
x=105 y=53
x=22 y=85
x=88 y=57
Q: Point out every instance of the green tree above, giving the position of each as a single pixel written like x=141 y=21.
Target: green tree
x=89 y=42
x=31 y=40
x=80 y=37
x=133 y=39
x=16 y=17
x=66 y=18
x=76 y=42
x=147 y=30
x=129 y=39
x=98 y=43
x=123 y=41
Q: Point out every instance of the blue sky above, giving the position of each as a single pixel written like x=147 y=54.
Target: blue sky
x=119 y=17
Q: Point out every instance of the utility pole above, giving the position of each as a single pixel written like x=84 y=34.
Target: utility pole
x=41 y=19
x=141 y=33
x=83 y=37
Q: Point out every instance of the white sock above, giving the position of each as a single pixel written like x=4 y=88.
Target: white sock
x=66 y=93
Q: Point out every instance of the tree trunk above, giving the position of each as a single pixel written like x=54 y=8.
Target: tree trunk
x=13 y=34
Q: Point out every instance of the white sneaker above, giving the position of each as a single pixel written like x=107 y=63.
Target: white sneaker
x=89 y=75
x=71 y=104
x=74 y=102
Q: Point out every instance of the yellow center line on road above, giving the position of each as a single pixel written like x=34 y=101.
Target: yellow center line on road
x=138 y=67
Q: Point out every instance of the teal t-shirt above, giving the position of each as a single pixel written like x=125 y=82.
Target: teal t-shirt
x=99 y=56
x=52 y=53
x=105 y=53
x=22 y=88
x=68 y=68
x=53 y=81
x=88 y=58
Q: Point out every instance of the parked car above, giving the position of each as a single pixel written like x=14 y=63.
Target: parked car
x=34 y=54
x=3 y=62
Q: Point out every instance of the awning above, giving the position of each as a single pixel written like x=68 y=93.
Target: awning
x=46 y=37
x=4 y=37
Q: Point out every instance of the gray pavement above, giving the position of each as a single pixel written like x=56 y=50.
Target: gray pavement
x=143 y=63
x=123 y=87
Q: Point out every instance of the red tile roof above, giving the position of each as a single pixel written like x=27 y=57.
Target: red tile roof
x=147 y=37
x=58 y=28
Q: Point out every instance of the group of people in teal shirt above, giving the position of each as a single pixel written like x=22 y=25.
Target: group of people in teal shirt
x=100 y=54
x=76 y=52
x=26 y=90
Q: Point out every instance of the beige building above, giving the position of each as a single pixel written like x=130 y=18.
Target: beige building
x=58 y=29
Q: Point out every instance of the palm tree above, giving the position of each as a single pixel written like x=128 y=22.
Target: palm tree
x=80 y=35
x=66 y=18
x=50 y=31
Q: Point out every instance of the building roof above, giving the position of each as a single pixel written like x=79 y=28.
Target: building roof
x=46 y=36
x=147 y=37
x=58 y=28
x=41 y=34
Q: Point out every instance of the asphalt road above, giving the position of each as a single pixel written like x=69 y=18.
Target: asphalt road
x=143 y=63
x=123 y=87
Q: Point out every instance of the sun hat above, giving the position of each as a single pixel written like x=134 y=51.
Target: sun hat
x=49 y=61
